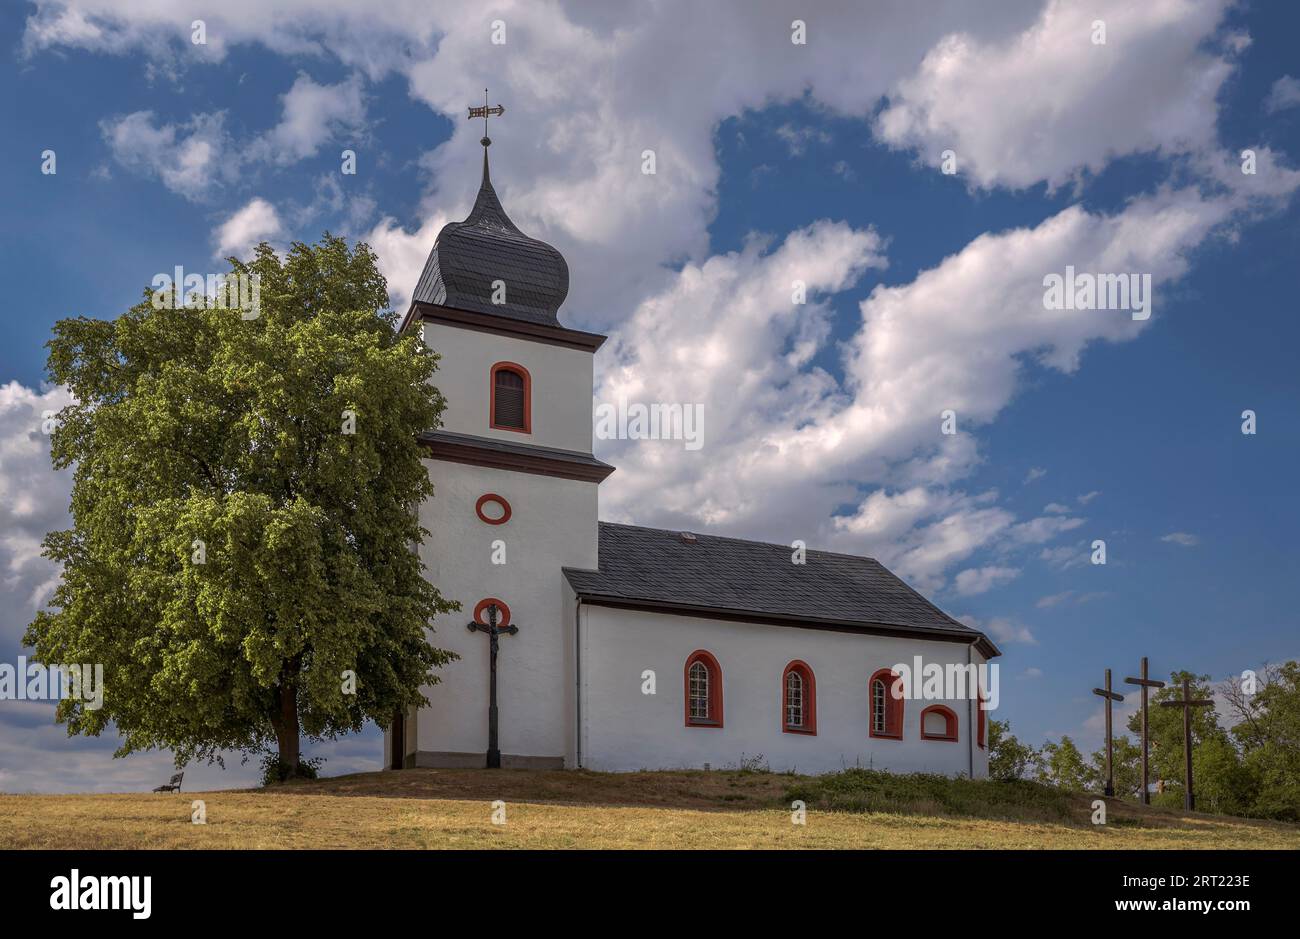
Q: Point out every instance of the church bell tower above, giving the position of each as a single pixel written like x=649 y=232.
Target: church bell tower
x=515 y=490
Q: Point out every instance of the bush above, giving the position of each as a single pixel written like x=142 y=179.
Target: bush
x=274 y=770
x=866 y=790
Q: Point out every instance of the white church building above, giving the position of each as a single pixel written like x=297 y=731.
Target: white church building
x=636 y=648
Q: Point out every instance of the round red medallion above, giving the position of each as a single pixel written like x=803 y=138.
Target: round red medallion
x=497 y=509
x=481 y=616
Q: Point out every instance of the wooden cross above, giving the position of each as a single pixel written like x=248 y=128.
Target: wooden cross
x=483 y=112
x=493 y=631
x=1145 y=683
x=1186 y=703
x=1109 y=696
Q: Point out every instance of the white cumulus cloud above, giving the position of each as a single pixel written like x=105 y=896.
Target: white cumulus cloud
x=255 y=222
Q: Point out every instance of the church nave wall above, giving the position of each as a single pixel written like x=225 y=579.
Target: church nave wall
x=627 y=730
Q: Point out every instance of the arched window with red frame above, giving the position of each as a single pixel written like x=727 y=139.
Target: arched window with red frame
x=886 y=706
x=798 y=699
x=703 y=687
x=938 y=722
x=979 y=719
x=511 y=404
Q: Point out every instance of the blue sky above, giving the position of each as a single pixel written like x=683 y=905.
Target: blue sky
x=818 y=162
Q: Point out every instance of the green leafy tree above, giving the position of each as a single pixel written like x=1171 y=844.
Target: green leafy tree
x=1224 y=783
x=1166 y=728
x=1063 y=766
x=1268 y=732
x=1126 y=766
x=244 y=512
x=1008 y=757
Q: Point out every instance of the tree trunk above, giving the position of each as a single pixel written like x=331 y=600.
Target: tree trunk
x=286 y=727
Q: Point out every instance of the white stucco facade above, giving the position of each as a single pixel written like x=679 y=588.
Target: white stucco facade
x=552 y=525
x=572 y=682
x=625 y=729
x=561 y=379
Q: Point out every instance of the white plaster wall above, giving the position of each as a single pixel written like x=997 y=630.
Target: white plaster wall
x=553 y=524
x=561 y=385
x=625 y=730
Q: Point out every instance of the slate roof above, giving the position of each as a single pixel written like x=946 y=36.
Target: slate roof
x=657 y=568
x=469 y=256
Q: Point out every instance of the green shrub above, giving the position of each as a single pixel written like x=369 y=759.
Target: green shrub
x=275 y=771
x=866 y=790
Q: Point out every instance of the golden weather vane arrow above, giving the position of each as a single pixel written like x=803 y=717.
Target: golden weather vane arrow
x=484 y=112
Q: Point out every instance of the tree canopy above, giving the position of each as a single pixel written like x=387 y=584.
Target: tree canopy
x=245 y=512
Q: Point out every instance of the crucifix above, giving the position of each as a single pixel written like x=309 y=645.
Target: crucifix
x=1145 y=683
x=1109 y=696
x=494 y=631
x=483 y=112
x=1186 y=703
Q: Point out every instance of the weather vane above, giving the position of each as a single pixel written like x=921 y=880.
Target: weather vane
x=483 y=112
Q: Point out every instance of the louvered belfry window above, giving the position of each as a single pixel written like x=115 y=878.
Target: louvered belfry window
x=509 y=400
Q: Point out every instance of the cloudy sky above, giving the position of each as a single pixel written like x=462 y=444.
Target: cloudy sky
x=821 y=162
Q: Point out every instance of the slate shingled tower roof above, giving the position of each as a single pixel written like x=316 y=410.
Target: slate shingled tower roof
x=657 y=569
x=469 y=256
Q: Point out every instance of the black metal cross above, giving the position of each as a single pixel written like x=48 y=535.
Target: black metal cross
x=1109 y=696
x=1145 y=683
x=494 y=631
x=1186 y=703
x=483 y=112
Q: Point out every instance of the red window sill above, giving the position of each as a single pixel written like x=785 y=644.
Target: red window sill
x=806 y=731
x=945 y=739
x=703 y=724
x=886 y=736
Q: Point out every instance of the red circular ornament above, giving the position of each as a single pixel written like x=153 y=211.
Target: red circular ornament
x=492 y=497
x=480 y=612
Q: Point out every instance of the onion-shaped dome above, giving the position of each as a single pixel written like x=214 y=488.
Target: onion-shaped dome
x=469 y=257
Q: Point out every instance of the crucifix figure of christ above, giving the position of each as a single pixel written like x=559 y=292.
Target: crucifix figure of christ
x=494 y=632
x=1110 y=696
x=483 y=112
x=1145 y=683
x=1186 y=703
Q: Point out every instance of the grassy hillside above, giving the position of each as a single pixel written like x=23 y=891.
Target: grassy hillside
x=721 y=809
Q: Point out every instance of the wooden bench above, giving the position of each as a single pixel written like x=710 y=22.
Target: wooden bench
x=173 y=786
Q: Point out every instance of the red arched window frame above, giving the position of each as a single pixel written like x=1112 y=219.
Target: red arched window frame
x=886 y=716
x=528 y=397
x=950 y=723
x=979 y=719
x=710 y=694
x=805 y=706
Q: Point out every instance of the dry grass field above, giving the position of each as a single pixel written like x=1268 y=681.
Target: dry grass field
x=427 y=808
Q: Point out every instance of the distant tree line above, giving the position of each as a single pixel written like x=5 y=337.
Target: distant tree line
x=1251 y=768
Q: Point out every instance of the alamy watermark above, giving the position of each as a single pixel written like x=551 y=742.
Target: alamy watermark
x=103 y=892
x=32 y=681
x=179 y=290
x=1085 y=291
x=936 y=681
x=656 y=421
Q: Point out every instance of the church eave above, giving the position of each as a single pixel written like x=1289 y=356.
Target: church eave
x=982 y=643
x=521 y=458
x=502 y=325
